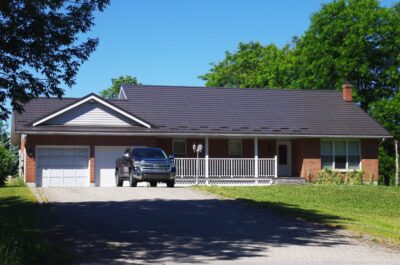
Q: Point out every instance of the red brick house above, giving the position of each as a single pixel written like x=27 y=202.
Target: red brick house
x=250 y=136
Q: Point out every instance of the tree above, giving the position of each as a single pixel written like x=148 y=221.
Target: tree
x=387 y=113
x=113 y=91
x=253 y=65
x=4 y=135
x=40 y=49
x=348 y=40
x=8 y=155
x=7 y=161
x=352 y=40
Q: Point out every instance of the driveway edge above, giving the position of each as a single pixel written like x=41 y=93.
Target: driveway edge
x=38 y=194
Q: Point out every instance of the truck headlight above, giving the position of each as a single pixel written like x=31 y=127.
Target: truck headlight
x=136 y=164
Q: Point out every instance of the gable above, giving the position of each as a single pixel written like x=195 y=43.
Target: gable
x=92 y=110
x=92 y=114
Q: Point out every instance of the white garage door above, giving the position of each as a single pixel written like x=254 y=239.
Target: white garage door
x=63 y=166
x=105 y=157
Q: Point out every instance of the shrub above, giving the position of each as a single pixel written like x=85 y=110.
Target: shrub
x=16 y=182
x=386 y=166
x=327 y=176
x=8 y=162
x=354 y=177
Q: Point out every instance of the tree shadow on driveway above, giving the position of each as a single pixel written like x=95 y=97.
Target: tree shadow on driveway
x=161 y=230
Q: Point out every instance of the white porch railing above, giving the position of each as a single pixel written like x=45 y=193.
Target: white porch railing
x=234 y=168
x=186 y=167
x=231 y=167
x=267 y=167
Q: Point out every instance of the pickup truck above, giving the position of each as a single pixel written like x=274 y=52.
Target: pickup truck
x=145 y=164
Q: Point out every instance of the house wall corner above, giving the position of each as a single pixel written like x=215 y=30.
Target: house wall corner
x=369 y=158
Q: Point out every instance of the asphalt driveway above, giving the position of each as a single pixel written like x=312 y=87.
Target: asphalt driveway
x=176 y=226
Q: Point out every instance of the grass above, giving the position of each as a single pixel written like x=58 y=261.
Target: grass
x=21 y=241
x=368 y=210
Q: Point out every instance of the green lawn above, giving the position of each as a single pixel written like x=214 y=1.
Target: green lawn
x=368 y=210
x=21 y=241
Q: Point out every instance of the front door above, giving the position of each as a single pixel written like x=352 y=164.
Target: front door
x=284 y=149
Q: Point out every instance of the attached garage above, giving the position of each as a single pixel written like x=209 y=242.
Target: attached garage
x=62 y=166
x=105 y=157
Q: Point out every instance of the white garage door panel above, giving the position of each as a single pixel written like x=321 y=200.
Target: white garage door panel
x=105 y=157
x=63 y=166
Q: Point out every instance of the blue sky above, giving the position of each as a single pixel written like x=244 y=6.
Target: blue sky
x=173 y=42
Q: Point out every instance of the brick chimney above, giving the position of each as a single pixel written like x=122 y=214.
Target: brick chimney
x=347 y=92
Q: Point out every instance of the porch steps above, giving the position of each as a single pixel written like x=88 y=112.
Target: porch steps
x=288 y=180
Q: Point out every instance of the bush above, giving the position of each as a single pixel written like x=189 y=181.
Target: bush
x=8 y=161
x=354 y=177
x=16 y=182
x=386 y=166
x=329 y=177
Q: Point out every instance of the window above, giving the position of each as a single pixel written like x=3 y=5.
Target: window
x=353 y=155
x=235 y=148
x=326 y=154
x=179 y=148
x=340 y=155
x=282 y=151
x=140 y=153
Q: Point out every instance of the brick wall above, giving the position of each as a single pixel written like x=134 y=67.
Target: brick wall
x=369 y=158
x=189 y=147
x=266 y=148
x=218 y=148
x=165 y=144
x=306 y=157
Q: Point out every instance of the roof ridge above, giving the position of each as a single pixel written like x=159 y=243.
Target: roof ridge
x=233 y=88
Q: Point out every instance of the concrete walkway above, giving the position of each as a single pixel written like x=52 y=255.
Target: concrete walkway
x=181 y=226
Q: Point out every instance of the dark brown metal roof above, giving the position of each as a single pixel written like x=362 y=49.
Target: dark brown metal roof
x=222 y=111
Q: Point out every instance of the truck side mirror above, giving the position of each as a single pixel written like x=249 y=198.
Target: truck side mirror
x=171 y=157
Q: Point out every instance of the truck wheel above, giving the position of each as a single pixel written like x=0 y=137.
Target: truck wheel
x=171 y=183
x=132 y=181
x=118 y=180
x=153 y=183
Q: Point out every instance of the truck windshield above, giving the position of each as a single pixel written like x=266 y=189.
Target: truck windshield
x=148 y=153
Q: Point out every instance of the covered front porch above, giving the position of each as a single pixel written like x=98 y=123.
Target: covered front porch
x=232 y=161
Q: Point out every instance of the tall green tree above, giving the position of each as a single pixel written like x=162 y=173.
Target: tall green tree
x=41 y=47
x=8 y=154
x=348 y=40
x=387 y=113
x=113 y=90
x=253 y=65
x=352 y=40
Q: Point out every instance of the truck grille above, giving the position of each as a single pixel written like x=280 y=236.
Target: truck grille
x=155 y=166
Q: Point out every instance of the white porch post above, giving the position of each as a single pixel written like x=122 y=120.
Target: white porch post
x=256 y=158
x=276 y=165
x=206 y=156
